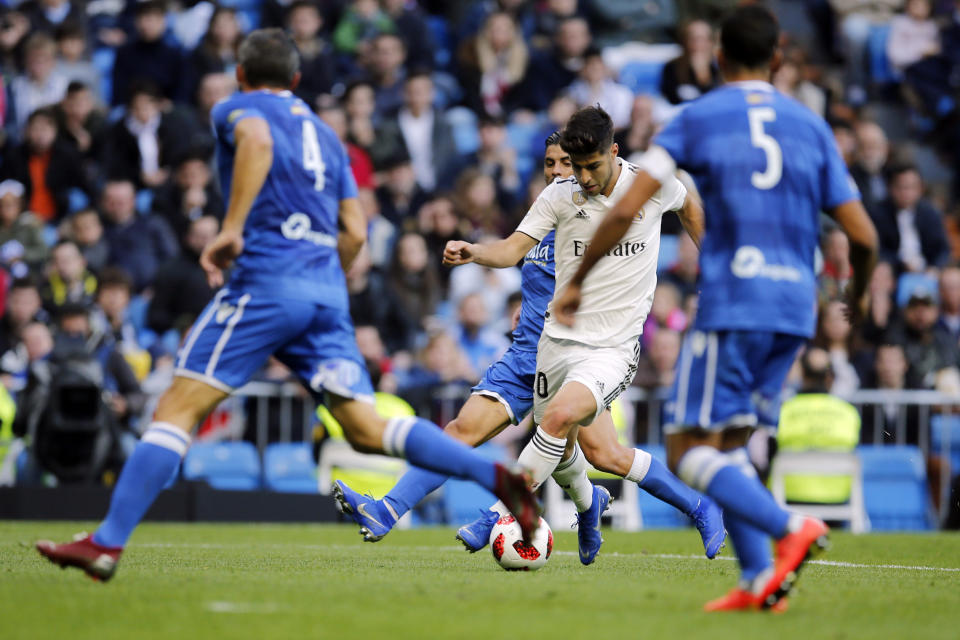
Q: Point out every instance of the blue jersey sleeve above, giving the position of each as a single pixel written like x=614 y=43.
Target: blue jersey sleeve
x=837 y=186
x=348 y=184
x=673 y=138
x=225 y=120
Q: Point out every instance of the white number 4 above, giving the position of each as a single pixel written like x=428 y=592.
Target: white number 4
x=312 y=160
x=769 y=178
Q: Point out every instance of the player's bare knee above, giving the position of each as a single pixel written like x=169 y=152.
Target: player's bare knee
x=464 y=431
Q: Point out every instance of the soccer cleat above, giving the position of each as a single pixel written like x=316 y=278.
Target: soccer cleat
x=742 y=600
x=513 y=489
x=588 y=525
x=476 y=535
x=709 y=521
x=372 y=515
x=793 y=550
x=100 y=563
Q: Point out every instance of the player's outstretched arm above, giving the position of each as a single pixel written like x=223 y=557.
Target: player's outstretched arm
x=353 y=231
x=252 y=162
x=856 y=223
x=498 y=255
x=691 y=217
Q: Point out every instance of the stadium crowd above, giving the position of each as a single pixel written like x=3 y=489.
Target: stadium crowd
x=108 y=191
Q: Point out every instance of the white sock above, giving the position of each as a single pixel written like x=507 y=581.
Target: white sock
x=640 y=466
x=571 y=475
x=542 y=455
x=395 y=436
x=500 y=508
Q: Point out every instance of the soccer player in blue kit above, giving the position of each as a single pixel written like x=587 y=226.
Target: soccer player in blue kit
x=505 y=396
x=293 y=225
x=766 y=167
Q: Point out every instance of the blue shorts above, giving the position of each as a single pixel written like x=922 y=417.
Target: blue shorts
x=238 y=331
x=510 y=381
x=730 y=378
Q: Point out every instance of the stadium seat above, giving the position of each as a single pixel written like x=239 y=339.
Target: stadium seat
x=881 y=71
x=440 y=31
x=463 y=122
x=668 y=252
x=289 y=467
x=654 y=513
x=895 y=488
x=908 y=282
x=946 y=428
x=224 y=465
x=463 y=500
x=77 y=199
x=102 y=60
x=642 y=77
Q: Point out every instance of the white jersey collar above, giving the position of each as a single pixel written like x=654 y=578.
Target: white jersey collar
x=752 y=85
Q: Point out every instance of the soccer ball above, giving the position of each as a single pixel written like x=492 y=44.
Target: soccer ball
x=509 y=549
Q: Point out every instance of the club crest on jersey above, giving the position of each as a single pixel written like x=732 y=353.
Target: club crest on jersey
x=579 y=198
x=299 y=110
x=233 y=115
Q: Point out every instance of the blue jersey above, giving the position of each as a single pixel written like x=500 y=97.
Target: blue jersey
x=537 y=283
x=766 y=166
x=290 y=236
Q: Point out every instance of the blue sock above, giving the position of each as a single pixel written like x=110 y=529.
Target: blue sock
x=665 y=486
x=743 y=495
x=425 y=445
x=413 y=487
x=751 y=545
x=150 y=466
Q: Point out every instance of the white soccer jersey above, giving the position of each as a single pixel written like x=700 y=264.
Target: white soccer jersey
x=618 y=292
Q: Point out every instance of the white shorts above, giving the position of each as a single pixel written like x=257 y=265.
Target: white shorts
x=606 y=371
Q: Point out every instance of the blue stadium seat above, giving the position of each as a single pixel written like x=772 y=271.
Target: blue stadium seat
x=440 y=31
x=881 y=71
x=103 y=59
x=642 y=76
x=946 y=427
x=909 y=281
x=224 y=465
x=77 y=199
x=290 y=467
x=463 y=500
x=668 y=252
x=655 y=513
x=463 y=122
x=895 y=487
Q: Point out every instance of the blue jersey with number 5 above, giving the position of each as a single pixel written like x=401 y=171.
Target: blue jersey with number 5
x=766 y=166
x=290 y=236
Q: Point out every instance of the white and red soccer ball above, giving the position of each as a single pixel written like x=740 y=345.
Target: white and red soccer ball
x=513 y=554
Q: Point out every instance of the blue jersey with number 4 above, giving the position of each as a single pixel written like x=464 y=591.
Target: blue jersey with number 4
x=290 y=236
x=766 y=166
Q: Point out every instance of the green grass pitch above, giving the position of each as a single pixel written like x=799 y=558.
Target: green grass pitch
x=264 y=582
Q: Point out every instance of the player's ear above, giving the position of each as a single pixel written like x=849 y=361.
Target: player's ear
x=241 y=76
x=295 y=82
x=776 y=61
x=614 y=149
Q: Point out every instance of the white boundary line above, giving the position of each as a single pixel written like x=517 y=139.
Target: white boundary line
x=658 y=556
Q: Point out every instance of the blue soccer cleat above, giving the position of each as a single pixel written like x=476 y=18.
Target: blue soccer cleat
x=372 y=515
x=588 y=525
x=709 y=521
x=476 y=535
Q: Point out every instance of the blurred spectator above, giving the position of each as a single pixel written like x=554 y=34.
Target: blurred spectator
x=832 y=281
x=114 y=290
x=655 y=369
x=213 y=88
x=561 y=108
x=317 y=63
x=880 y=303
x=147 y=55
x=13 y=28
x=181 y=291
x=24 y=306
x=949 y=320
x=635 y=139
x=216 y=53
x=399 y=195
x=373 y=303
x=139 y=145
x=835 y=336
x=475 y=18
x=374 y=354
x=423 y=132
x=548 y=17
x=934 y=79
x=21 y=233
x=911 y=231
x=414 y=279
x=360 y=163
x=476 y=199
x=440 y=362
x=385 y=71
x=46 y=166
x=495 y=286
x=360 y=24
x=695 y=71
x=857 y=18
x=48 y=15
x=74 y=63
x=86 y=231
x=360 y=104
x=83 y=126
x=438 y=223
x=685 y=271
x=68 y=280
x=913 y=35
x=845 y=139
x=481 y=345
x=189 y=194
x=493 y=65
x=498 y=160
x=412 y=27
x=871 y=157
x=41 y=84
x=557 y=67
x=596 y=86
x=381 y=233
x=929 y=350
x=882 y=422
x=138 y=244
x=665 y=313
x=791 y=79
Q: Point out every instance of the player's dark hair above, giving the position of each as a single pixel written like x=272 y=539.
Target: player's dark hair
x=269 y=59
x=588 y=131
x=552 y=139
x=749 y=36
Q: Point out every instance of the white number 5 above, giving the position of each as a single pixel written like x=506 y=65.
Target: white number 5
x=312 y=160
x=759 y=138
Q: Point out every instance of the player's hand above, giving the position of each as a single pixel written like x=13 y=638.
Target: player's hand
x=457 y=252
x=220 y=254
x=566 y=305
x=854 y=310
